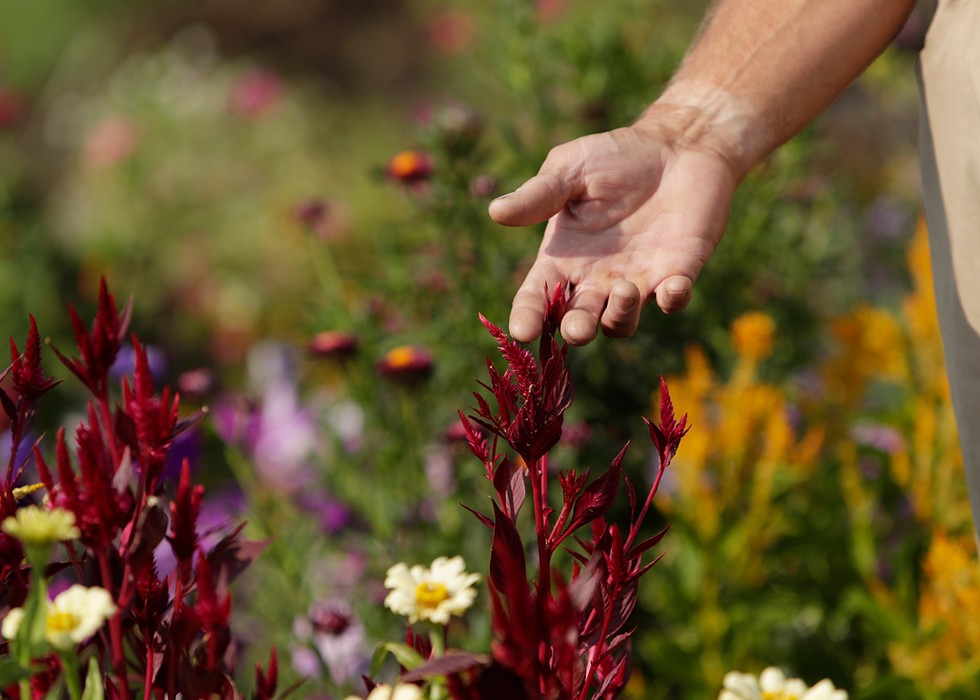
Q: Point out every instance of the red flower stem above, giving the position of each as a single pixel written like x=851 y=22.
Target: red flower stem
x=110 y=431
x=15 y=438
x=172 y=655
x=148 y=676
x=595 y=655
x=115 y=629
x=635 y=527
x=539 y=483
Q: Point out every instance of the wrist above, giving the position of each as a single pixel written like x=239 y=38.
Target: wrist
x=705 y=118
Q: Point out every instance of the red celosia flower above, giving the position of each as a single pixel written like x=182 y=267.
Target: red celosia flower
x=335 y=344
x=406 y=362
x=562 y=637
x=184 y=510
x=531 y=398
x=26 y=370
x=100 y=505
x=266 y=681
x=99 y=348
x=151 y=420
x=409 y=167
x=151 y=600
x=210 y=612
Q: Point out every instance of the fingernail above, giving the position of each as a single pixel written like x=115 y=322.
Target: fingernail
x=624 y=303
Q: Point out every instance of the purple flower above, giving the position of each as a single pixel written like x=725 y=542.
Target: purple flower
x=285 y=440
x=338 y=638
x=335 y=515
x=880 y=437
x=187 y=445
x=125 y=363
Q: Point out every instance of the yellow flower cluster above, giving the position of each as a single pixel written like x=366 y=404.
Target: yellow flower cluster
x=943 y=654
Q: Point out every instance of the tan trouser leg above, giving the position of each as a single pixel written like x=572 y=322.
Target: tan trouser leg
x=949 y=73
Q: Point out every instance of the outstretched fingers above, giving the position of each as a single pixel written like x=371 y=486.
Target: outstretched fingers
x=622 y=313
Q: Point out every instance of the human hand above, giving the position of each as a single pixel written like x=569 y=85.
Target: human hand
x=633 y=215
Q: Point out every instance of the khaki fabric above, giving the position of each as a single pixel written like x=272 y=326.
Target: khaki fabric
x=949 y=78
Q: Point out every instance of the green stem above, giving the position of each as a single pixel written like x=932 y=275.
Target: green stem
x=69 y=662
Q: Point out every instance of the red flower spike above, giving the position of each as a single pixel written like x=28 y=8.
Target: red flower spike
x=554 y=637
x=184 y=510
x=420 y=643
x=211 y=611
x=26 y=369
x=266 y=682
x=666 y=437
x=99 y=348
x=100 y=509
x=154 y=419
x=151 y=600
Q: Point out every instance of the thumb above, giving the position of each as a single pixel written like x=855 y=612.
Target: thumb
x=536 y=200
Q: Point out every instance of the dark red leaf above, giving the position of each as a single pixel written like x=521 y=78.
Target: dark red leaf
x=508 y=566
x=449 y=664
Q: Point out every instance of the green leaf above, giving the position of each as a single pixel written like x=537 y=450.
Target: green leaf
x=12 y=672
x=29 y=642
x=93 y=682
x=404 y=655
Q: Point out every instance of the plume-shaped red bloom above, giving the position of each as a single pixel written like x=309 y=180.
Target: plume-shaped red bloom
x=184 y=510
x=149 y=422
x=561 y=636
x=98 y=348
x=26 y=369
x=267 y=681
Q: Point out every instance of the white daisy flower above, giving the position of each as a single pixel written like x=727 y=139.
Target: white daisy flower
x=773 y=684
x=432 y=593
x=72 y=617
x=401 y=691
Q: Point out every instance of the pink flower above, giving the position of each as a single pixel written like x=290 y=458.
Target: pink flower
x=333 y=344
x=109 y=142
x=256 y=93
x=451 y=31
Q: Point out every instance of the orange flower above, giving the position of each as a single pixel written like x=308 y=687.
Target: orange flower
x=406 y=361
x=753 y=335
x=410 y=167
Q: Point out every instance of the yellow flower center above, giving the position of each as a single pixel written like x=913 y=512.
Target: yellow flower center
x=430 y=595
x=401 y=357
x=62 y=621
x=778 y=695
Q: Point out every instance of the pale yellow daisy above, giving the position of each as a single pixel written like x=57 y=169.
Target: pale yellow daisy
x=35 y=526
x=434 y=593
x=72 y=617
x=772 y=684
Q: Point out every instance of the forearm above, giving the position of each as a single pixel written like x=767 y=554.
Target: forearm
x=762 y=69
